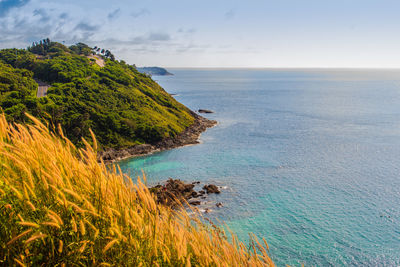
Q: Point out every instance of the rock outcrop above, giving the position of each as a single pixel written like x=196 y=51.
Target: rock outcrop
x=174 y=191
x=211 y=188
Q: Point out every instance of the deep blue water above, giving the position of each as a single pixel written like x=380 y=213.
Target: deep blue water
x=310 y=159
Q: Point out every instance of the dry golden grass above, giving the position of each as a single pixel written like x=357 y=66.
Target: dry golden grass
x=59 y=206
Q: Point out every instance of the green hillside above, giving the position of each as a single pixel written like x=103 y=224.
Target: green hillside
x=122 y=106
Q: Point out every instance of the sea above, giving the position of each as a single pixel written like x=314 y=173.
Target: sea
x=308 y=159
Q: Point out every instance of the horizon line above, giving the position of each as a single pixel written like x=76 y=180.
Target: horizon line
x=291 y=68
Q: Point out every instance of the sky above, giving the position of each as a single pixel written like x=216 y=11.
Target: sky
x=217 y=33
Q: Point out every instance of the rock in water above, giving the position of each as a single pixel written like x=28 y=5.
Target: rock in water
x=173 y=191
x=194 y=202
x=205 y=111
x=211 y=188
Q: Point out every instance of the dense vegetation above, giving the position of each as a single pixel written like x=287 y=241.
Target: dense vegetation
x=57 y=209
x=122 y=106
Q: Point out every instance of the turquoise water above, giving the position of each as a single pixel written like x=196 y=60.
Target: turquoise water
x=309 y=160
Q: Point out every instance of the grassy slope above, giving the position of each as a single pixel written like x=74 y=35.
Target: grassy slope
x=59 y=207
x=121 y=105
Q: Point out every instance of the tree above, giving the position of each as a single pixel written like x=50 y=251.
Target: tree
x=81 y=48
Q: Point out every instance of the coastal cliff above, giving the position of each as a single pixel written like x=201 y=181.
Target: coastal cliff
x=189 y=136
x=128 y=111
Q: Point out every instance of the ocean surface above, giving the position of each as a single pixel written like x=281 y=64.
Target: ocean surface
x=309 y=159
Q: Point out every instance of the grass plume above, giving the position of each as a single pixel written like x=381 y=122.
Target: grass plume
x=60 y=207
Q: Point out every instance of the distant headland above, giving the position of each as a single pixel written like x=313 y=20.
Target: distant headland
x=154 y=71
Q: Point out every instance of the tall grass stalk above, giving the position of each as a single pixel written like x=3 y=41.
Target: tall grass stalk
x=60 y=207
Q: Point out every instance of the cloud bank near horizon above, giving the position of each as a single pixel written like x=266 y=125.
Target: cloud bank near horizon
x=359 y=33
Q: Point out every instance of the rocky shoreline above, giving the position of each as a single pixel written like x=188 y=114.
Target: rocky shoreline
x=175 y=192
x=189 y=136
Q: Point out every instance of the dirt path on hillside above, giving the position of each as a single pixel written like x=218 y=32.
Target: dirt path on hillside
x=99 y=60
x=42 y=88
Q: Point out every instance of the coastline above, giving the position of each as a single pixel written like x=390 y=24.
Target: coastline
x=189 y=136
